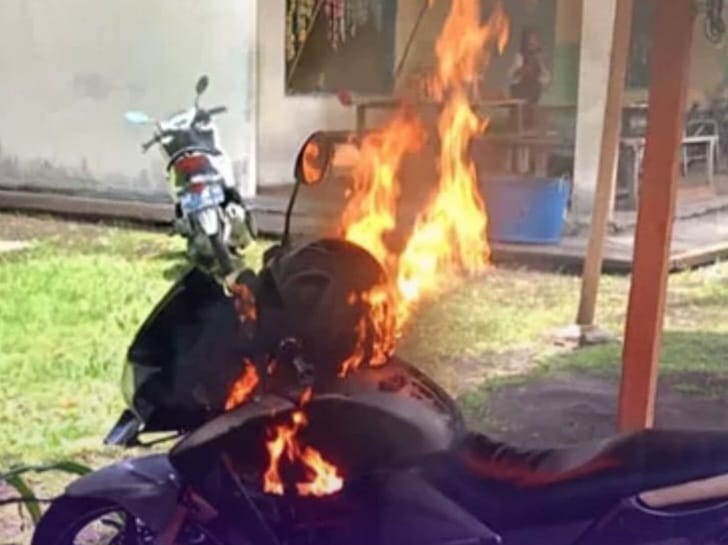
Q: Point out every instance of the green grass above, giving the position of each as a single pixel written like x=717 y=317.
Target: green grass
x=68 y=312
x=69 y=308
x=70 y=305
x=502 y=326
x=695 y=338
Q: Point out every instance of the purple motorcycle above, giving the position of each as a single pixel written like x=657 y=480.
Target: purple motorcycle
x=396 y=464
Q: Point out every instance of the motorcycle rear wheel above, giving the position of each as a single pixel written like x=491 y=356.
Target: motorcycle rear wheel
x=68 y=518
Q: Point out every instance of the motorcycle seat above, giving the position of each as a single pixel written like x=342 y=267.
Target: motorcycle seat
x=509 y=486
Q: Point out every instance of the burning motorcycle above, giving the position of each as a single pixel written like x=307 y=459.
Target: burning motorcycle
x=283 y=443
x=209 y=211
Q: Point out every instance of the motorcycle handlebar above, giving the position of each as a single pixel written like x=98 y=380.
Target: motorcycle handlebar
x=156 y=139
x=203 y=116
x=217 y=110
x=149 y=144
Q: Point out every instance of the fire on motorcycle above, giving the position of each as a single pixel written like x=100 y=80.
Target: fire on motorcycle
x=279 y=446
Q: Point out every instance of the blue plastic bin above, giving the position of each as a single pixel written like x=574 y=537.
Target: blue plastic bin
x=526 y=209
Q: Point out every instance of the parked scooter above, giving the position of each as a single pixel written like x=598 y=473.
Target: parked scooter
x=209 y=210
x=412 y=474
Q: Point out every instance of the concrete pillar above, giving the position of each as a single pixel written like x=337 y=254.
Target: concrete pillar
x=597 y=25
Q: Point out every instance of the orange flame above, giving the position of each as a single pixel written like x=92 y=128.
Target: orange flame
x=449 y=237
x=282 y=441
x=243 y=387
x=306 y=396
x=378 y=325
x=322 y=477
x=371 y=211
x=244 y=301
x=464 y=44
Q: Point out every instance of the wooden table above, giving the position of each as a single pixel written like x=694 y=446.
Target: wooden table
x=538 y=144
x=637 y=145
x=391 y=103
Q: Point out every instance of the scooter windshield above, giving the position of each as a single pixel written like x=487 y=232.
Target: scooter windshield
x=186 y=355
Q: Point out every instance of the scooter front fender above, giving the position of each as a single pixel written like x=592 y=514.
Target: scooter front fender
x=148 y=488
x=209 y=220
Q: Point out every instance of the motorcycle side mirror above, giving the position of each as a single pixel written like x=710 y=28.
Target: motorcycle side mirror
x=313 y=160
x=202 y=84
x=137 y=118
x=201 y=87
x=310 y=168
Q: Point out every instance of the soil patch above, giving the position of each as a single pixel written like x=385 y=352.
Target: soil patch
x=568 y=408
x=12 y=245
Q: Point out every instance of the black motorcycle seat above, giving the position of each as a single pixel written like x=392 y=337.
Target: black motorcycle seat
x=507 y=486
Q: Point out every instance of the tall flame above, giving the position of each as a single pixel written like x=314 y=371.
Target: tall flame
x=463 y=45
x=449 y=236
x=371 y=212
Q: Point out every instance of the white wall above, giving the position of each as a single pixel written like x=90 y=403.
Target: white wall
x=70 y=68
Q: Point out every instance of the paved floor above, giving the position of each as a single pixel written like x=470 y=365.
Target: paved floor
x=700 y=231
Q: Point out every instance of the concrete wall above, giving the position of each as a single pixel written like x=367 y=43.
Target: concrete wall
x=71 y=68
x=708 y=66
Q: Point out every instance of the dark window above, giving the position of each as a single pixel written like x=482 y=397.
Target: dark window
x=638 y=68
x=326 y=52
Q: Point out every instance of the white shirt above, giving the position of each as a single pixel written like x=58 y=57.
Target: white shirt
x=544 y=78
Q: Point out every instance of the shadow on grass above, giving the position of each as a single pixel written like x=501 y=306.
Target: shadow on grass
x=573 y=396
x=682 y=351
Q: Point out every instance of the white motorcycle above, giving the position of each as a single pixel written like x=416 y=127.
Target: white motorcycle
x=209 y=211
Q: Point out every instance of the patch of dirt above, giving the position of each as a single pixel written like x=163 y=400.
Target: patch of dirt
x=568 y=408
x=467 y=372
x=22 y=227
x=13 y=245
x=14 y=528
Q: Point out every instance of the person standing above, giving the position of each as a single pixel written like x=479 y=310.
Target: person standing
x=529 y=76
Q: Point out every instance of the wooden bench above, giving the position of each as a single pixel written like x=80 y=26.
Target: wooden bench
x=363 y=107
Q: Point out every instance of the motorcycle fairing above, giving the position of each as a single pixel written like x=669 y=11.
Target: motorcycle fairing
x=148 y=488
x=126 y=430
x=202 y=138
x=372 y=438
x=185 y=356
x=429 y=517
x=403 y=509
x=630 y=522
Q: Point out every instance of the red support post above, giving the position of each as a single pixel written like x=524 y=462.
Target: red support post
x=665 y=120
